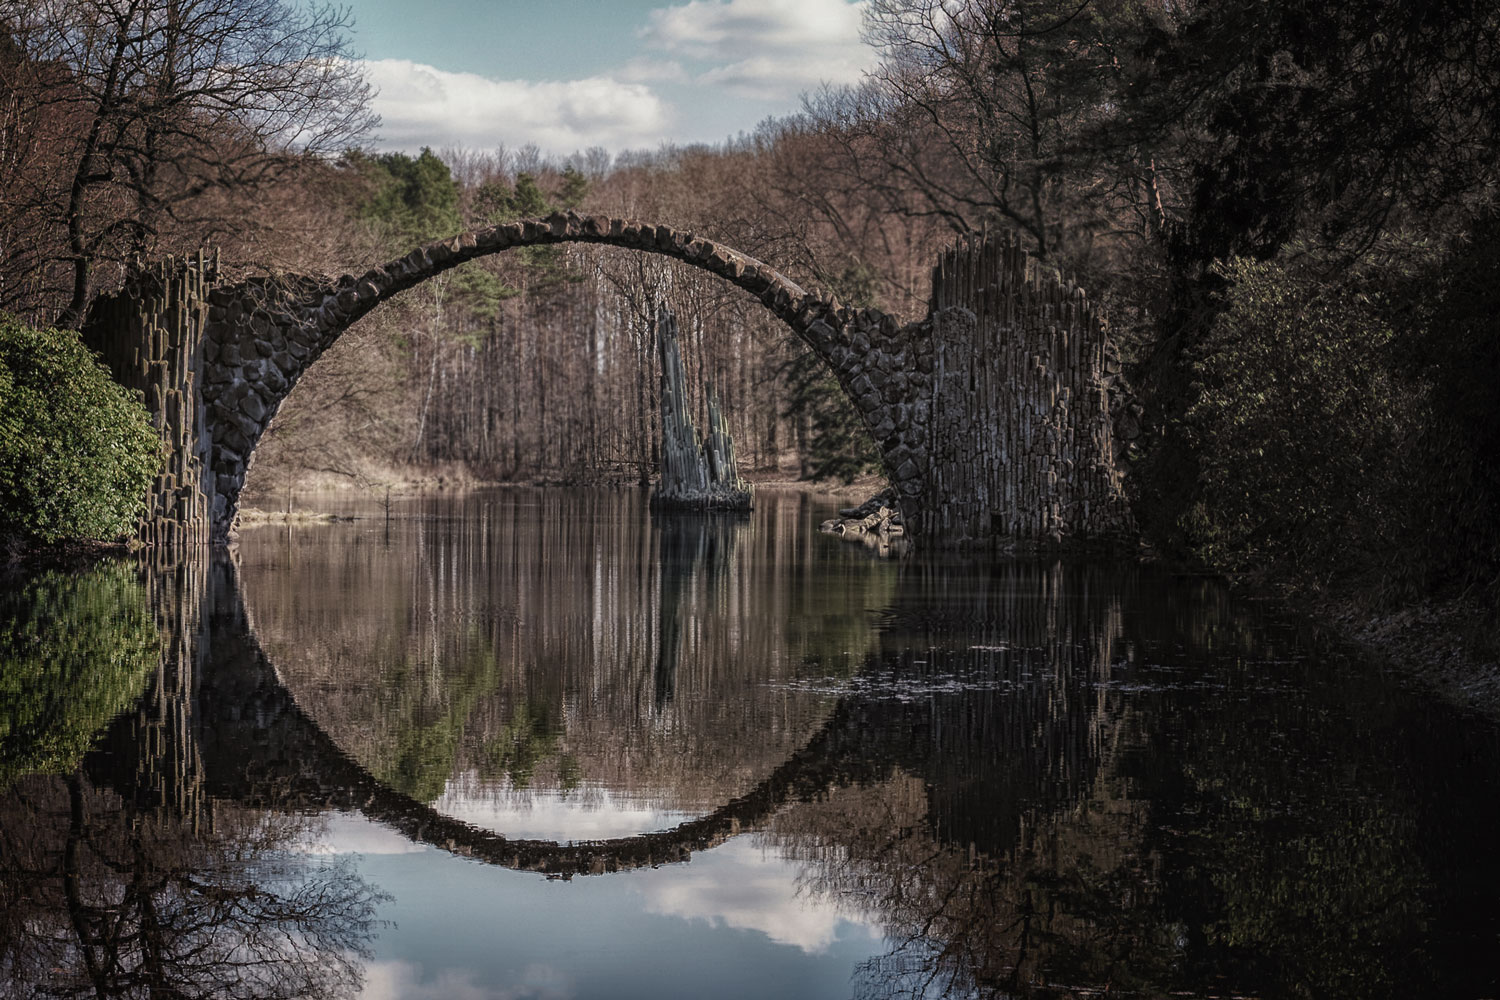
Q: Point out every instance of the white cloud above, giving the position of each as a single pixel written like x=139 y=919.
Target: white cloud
x=421 y=105
x=774 y=76
x=721 y=28
x=545 y=814
x=739 y=885
x=645 y=70
x=766 y=48
x=351 y=833
x=397 y=980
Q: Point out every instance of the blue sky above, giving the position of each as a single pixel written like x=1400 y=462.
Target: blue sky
x=623 y=74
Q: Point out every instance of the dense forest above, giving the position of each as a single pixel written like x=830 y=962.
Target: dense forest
x=1288 y=210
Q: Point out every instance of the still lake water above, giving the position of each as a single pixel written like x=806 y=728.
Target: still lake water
x=536 y=744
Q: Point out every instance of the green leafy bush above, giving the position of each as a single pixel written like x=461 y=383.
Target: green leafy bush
x=1301 y=429
x=76 y=649
x=77 y=450
x=838 y=446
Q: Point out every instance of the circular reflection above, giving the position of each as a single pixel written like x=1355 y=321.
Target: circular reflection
x=563 y=668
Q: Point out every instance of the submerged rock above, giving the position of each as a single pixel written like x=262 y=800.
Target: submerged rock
x=874 y=523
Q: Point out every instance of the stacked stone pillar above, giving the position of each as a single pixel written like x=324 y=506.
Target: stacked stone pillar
x=1020 y=437
x=150 y=335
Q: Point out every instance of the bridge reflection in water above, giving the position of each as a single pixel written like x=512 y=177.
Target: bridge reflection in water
x=1037 y=777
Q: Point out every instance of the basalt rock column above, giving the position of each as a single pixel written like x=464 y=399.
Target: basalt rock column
x=1020 y=447
x=150 y=335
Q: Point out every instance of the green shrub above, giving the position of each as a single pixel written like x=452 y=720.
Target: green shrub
x=1301 y=429
x=77 y=450
x=839 y=446
x=76 y=649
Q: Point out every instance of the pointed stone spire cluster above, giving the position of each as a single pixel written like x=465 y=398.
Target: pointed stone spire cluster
x=697 y=473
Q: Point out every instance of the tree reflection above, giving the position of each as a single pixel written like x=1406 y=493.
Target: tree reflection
x=123 y=878
x=546 y=642
x=101 y=901
x=1078 y=802
x=75 y=649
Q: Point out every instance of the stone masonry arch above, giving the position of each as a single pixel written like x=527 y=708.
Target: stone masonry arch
x=260 y=336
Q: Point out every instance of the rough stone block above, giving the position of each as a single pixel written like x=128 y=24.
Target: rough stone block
x=247 y=426
x=227 y=436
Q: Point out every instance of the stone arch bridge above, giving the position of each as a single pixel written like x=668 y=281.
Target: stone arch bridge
x=992 y=414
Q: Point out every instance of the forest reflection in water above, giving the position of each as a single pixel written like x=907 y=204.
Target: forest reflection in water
x=120 y=875
x=1024 y=777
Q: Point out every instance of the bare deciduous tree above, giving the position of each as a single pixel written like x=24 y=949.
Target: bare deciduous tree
x=980 y=113
x=160 y=114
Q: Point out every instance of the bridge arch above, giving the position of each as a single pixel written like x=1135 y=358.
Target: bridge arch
x=261 y=334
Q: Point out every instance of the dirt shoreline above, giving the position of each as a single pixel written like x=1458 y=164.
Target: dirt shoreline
x=1440 y=644
x=22 y=558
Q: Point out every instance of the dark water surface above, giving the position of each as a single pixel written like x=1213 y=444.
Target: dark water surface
x=536 y=744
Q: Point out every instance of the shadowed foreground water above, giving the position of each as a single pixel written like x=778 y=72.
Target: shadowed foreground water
x=542 y=744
